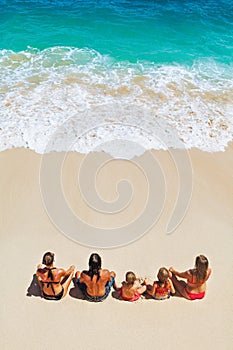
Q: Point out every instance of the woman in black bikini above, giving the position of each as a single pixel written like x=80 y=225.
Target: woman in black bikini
x=54 y=282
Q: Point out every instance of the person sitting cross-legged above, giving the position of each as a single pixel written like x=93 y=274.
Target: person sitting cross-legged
x=96 y=282
x=54 y=282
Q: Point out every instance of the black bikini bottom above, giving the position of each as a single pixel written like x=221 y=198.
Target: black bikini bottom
x=54 y=297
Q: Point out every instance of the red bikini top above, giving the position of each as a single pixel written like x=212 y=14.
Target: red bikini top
x=162 y=290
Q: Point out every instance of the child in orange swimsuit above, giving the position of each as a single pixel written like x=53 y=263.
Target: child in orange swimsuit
x=162 y=288
x=132 y=288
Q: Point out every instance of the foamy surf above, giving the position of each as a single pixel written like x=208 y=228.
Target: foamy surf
x=69 y=99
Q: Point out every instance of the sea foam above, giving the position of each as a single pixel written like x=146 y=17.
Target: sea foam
x=64 y=98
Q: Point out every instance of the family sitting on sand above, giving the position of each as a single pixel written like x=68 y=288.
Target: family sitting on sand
x=95 y=283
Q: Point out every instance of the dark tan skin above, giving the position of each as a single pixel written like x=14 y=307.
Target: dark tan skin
x=64 y=277
x=94 y=287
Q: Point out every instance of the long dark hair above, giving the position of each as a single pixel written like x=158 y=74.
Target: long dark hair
x=201 y=267
x=94 y=265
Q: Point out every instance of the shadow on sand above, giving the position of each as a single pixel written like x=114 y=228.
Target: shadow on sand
x=34 y=288
x=75 y=292
x=145 y=296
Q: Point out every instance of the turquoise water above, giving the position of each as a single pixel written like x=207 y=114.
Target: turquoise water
x=164 y=62
x=156 y=31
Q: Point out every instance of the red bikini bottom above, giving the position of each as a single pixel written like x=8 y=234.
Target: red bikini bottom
x=194 y=296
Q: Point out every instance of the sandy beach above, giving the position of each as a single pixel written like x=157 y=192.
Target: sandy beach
x=27 y=231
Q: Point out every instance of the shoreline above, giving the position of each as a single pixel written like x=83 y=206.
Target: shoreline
x=27 y=232
x=228 y=146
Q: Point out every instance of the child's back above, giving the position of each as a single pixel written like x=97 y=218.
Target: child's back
x=132 y=289
x=163 y=287
x=162 y=290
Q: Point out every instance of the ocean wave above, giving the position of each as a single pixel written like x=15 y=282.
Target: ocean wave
x=77 y=93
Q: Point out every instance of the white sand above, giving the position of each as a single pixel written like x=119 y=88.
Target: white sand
x=27 y=232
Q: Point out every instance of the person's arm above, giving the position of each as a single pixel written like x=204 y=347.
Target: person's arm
x=64 y=273
x=185 y=274
x=77 y=274
x=147 y=281
x=108 y=274
x=38 y=275
x=38 y=271
x=153 y=290
x=70 y=270
x=172 y=289
x=208 y=274
x=137 y=284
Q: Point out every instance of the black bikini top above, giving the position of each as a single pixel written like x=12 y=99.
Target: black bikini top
x=50 y=276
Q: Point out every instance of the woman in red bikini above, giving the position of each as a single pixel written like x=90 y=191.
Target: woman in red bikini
x=132 y=288
x=196 y=279
x=54 y=283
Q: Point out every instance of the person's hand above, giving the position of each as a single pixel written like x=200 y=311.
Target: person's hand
x=146 y=281
x=77 y=274
x=40 y=266
x=171 y=269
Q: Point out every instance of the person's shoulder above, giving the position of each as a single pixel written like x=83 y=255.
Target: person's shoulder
x=124 y=285
x=84 y=274
x=105 y=274
x=60 y=271
x=41 y=269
